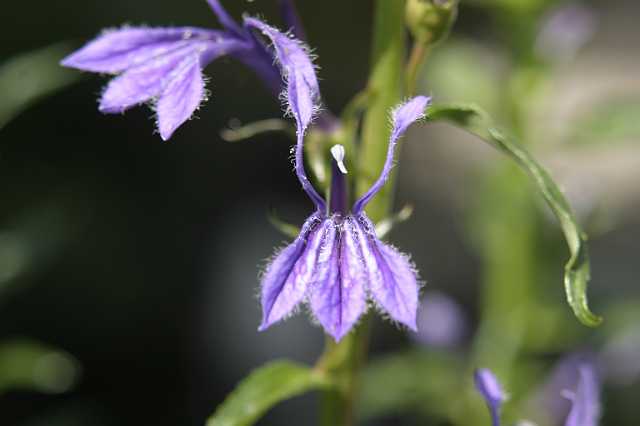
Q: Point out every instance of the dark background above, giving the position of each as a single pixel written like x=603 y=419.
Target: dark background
x=150 y=276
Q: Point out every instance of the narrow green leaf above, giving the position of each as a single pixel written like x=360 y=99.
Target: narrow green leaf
x=387 y=224
x=577 y=270
x=251 y=130
x=30 y=76
x=264 y=388
x=291 y=231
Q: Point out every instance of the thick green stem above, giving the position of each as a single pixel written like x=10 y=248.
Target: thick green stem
x=385 y=86
x=343 y=361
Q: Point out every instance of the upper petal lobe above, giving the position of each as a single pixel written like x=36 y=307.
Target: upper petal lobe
x=403 y=116
x=297 y=68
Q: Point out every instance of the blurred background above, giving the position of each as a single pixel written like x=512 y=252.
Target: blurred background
x=128 y=266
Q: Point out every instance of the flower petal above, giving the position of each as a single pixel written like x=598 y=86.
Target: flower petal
x=117 y=50
x=294 y=269
x=181 y=97
x=585 y=408
x=393 y=282
x=302 y=92
x=491 y=390
x=339 y=300
x=398 y=294
x=406 y=114
x=297 y=69
x=142 y=83
x=174 y=78
x=403 y=116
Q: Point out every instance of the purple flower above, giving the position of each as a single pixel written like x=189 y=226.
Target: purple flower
x=585 y=400
x=337 y=264
x=491 y=390
x=164 y=65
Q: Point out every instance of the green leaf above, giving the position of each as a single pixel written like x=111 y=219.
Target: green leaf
x=577 y=269
x=264 y=388
x=251 y=130
x=30 y=76
x=291 y=231
x=29 y=365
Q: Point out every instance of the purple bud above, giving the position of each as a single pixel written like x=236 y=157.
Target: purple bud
x=488 y=386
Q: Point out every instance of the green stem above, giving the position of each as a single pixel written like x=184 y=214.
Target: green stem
x=343 y=361
x=385 y=85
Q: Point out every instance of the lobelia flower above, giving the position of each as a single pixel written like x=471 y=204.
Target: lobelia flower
x=489 y=387
x=337 y=263
x=164 y=65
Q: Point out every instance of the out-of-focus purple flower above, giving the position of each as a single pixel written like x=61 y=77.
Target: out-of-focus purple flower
x=164 y=65
x=441 y=321
x=337 y=262
x=564 y=376
x=565 y=30
x=489 y=387
x=585 y=400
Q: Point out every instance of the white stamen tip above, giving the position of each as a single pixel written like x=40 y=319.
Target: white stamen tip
x=337 y=151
